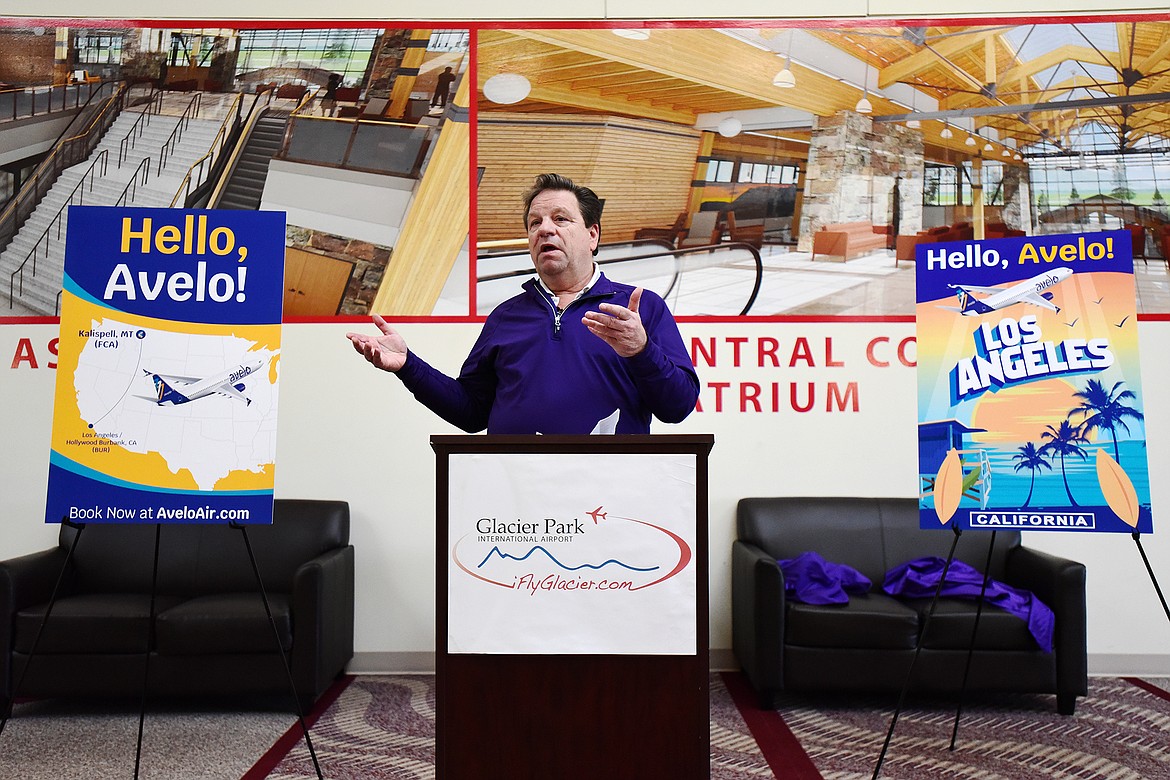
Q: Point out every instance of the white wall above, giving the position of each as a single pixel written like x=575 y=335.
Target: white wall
x=350 y=432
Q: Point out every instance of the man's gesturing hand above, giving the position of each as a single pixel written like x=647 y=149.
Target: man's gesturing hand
x=387 y=351
x=618 y=326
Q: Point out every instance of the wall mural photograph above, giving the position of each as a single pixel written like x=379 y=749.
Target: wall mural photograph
x=795 y=171
x=772 y=170
x=359 y=135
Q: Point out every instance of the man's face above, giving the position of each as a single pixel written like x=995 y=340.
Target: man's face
x=560 y=242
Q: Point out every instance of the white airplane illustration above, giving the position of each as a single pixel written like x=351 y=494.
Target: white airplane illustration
x=1031 y=291
x=177 y=390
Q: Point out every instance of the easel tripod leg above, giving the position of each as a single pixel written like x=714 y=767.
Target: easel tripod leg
x=1137 y=538
x=917 y=651
x=149 y=649
x=279 y=646
x=44 y=619
x=974 y=633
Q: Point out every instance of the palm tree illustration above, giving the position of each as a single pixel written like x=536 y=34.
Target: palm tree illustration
x=1064 y=440
x=1105 y=410
x=1031 y=458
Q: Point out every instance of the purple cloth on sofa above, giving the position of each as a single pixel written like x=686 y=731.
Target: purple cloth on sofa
x=811 y=579
x=918 y=579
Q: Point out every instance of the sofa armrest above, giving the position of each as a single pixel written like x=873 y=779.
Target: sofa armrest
x=1060 y=584
x=24 y=581
x=29 y=579
x=323 y=619
x=757 y=617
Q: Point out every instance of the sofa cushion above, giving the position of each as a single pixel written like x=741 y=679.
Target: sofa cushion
x=224 y=623
x=953 y=620
x=93 y=622
x=873 y=620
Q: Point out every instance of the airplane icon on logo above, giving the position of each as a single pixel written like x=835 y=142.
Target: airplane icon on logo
x=597 y=514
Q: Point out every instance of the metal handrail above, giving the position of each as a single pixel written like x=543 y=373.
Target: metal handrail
x=674 y=253
x=215 y=147
x=305 y=101
x=131 y=188
x=190 y=112
x=104 y=159
x=36 y=186
x=139 y=127
x=52 y=88
x=356 y=123
x=288 y=126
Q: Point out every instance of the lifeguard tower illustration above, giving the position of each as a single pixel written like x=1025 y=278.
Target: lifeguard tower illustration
x=935 y=440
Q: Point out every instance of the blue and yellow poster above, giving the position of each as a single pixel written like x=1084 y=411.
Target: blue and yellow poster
x=1030 y=407
x=165 y=406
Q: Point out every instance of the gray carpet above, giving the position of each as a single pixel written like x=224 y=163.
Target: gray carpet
x=72 y=740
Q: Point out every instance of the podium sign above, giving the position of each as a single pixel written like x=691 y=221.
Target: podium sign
x=544 y=562
x=572 y=615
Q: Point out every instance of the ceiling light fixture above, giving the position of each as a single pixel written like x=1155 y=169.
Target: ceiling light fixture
x=864 y=106
x=506 y=88
x=729 y=127
x=785 y=78
x=946 y=131
x=970 y=140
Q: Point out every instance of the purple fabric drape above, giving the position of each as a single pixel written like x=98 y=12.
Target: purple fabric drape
x=918 y=579
x=811 y=579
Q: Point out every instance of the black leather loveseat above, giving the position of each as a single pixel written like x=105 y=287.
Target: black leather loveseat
x=867 y=645
x=211 y=634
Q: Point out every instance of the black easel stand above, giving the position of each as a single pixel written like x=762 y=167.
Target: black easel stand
x=1137 y=539
x=283 y=656
x=917 y=651
x=44 y=619
x=149 y=645
x=150 y=640
x=974 y=633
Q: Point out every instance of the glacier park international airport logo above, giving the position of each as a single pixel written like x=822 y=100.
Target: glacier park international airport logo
x=598 y=552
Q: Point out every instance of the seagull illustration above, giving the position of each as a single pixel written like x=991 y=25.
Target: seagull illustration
x=1098 y=301
x=1074 y=322
x=1123 y=319
x=597 y=513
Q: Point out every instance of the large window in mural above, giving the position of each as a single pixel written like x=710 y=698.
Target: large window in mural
x=721 y=151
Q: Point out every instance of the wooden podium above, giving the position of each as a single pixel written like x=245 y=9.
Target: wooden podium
x=514 y=699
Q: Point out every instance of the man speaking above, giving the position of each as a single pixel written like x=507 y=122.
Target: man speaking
x=573 y=353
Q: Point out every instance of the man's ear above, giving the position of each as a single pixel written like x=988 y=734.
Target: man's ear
x=594 y=237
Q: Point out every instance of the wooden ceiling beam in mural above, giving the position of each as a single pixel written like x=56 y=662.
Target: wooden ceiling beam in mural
x=939 y=52
x=700 y=56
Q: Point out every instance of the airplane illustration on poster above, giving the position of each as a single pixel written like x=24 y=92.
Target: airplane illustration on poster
x=1032 y=291
x=175 y=390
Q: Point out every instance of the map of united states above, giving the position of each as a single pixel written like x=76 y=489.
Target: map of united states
x=204 y=403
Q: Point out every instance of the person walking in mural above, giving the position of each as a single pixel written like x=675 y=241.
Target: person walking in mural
x=329 y=99
x=443 y=88
x=574 y=353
